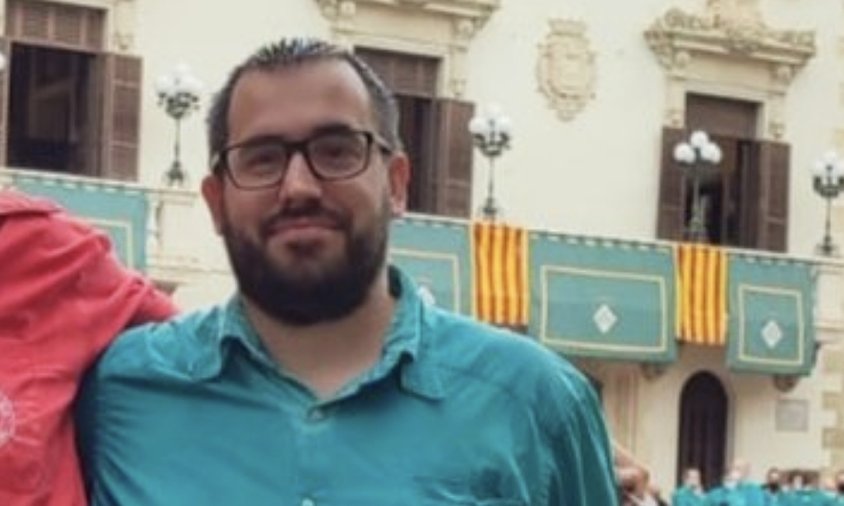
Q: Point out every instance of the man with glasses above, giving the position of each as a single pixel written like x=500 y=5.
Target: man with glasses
x=325 y=379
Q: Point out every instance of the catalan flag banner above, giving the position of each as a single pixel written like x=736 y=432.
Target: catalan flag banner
x=500 y=257
x=702 y=289
x=772 y=327
x=603 y=298
x=436 y=253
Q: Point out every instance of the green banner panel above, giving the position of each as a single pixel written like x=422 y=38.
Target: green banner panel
x=119 y=212
x=771 y=328
x=603 y=299
x=437 y=254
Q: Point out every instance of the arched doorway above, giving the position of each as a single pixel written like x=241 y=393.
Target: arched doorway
x=703 y=428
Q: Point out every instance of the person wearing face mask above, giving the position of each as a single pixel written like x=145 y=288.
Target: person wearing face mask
x=837 y=498
x=803 y=491
x=691 y=493
x=729 y=493
x=773 y=488
x=750 y=490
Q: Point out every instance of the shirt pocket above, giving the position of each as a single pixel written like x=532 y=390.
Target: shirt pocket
x=457 y=492
x=21 y=435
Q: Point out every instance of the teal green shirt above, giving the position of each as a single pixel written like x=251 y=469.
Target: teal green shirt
x=194 y=412
x=686 y=496
x=723 y=496
x=806 y=497
x=835 y=500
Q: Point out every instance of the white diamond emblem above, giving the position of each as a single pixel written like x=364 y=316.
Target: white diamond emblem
x=604 y=318
x=772 y=334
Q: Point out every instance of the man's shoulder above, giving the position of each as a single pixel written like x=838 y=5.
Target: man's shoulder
x=499 y=357
x=171 y=346
x=456 y=335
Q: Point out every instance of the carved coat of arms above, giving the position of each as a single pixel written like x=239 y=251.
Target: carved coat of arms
x=566 y=68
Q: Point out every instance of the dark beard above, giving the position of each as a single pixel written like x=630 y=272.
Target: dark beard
x=336 y=293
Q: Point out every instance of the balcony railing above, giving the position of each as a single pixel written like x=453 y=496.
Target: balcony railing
x=144 y=223
x=606 y=298
x=631 y=300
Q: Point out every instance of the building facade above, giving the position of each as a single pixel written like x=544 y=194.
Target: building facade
x=599 y=92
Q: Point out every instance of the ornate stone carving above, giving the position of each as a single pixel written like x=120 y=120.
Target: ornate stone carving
x=335 y=10
x=728 y=46
x=454 y=22
x=566 y=68
x=123 y=35
x=476 y=9
x=732 y=26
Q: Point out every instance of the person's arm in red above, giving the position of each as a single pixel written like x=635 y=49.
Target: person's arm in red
x=64 y=272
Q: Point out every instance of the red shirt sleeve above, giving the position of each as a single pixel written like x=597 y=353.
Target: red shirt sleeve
x=60 y=276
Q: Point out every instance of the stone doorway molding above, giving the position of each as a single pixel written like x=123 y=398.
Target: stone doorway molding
x=438 y=28
x=729 y=51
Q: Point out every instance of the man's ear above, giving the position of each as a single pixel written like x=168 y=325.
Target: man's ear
x=212 y=192
x=398 y=172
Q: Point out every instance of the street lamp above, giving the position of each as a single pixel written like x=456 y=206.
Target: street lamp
x=178 y=93
x=694 y=156
x=491 y=133
x=828 y=179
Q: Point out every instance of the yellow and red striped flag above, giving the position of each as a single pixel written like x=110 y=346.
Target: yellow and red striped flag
x=702 y=294
x=500 y=266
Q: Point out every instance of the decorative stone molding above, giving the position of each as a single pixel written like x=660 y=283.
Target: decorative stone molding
x=566 y=68
x=438 y=28
x=123 y=28
x=729 y=47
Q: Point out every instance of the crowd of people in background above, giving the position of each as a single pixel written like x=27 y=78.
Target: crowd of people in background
x=794 y=487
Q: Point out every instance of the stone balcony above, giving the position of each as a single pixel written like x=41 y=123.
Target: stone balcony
x=619 y=299
x=594 y=297
x=144 y=223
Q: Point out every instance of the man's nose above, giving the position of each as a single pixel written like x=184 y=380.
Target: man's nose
x=299 y=180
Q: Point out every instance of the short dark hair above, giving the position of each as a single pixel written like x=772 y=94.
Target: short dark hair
x=291 y=52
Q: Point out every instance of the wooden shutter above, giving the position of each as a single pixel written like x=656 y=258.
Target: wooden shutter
x=670 y=222
x=404 y=74
x=57 y=25
x=748 y=193
x=453 y=169
x=121 y=116
x=773 y=196
x=721 y=116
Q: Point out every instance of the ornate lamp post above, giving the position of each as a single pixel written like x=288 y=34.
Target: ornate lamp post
x=491 y=134
x=178 y=94
x=694 y=156
x=828 y=180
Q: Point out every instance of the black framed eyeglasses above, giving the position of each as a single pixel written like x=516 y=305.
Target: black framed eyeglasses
x=331 y=155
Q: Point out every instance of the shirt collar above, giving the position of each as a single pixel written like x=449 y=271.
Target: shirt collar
x=405 y=346
x=227 y=327
x=408 y=335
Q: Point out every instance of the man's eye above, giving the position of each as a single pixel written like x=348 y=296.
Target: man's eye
x=262 y=159
x=339 y=148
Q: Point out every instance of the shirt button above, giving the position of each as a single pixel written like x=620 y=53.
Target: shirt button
x=308 y=502
x=315 y=415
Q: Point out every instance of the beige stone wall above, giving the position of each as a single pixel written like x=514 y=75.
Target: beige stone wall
x=593 y=171
x=833 y=402
x=606 y=152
